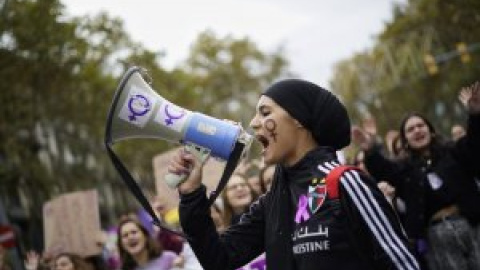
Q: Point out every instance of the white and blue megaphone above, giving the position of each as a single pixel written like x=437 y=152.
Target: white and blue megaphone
x=137 y=111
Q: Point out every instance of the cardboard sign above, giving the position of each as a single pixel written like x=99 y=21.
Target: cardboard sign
x=72 y=223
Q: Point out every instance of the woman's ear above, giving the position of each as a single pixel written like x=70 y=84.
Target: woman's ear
x=298 y=124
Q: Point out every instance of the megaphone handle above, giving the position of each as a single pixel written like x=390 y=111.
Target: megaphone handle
x=200 y=153
x=173 y=180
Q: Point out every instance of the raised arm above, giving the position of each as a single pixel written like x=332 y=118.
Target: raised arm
x=380 y=167
x=467 y=149
x=470 y=98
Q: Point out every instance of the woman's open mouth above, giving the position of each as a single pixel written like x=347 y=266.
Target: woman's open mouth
x=264 y=141
x=132 y=243
x=420 y=137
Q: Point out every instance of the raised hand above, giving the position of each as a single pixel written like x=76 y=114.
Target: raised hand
x=179 y=261
x=470 y=97
x=32 y=261
x=362 y=138
x=369 y=125
x=387 y=189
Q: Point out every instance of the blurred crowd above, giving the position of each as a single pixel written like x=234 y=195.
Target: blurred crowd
x=431 y=180
x=135 y=243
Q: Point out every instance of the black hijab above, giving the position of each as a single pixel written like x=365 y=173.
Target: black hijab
x=317 y=109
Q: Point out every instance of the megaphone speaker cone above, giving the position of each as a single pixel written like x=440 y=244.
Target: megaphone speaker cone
x=139 y=112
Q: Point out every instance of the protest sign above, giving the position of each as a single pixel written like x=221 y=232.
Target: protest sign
x=72 y=223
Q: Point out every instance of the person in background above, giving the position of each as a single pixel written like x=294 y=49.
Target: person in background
x=398 y=150
x=140 y=251
x=3 y=259
x=389 y=139
x=36 y=261
x=70 y=261
x=236 y=197
x=32 y=260
x=436 y=181
x=359 y=160
x=187 y=259
x=457 y=132
x=217 y=216
x=252 y=177
x=266 y=177
x=107 y=240
x=297 y=224
x=168 y=240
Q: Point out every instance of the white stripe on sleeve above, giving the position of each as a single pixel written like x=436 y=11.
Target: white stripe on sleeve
x=377 y=221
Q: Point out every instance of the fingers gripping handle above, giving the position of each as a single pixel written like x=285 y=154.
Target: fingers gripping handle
x=200 y=153
x=173 y=180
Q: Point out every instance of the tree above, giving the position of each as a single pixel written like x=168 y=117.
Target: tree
x=229 y=74
x=58 y=76
x=391 y=79
x=57 y=82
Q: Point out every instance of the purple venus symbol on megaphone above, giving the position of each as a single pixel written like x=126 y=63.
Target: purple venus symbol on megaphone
x=138 y=105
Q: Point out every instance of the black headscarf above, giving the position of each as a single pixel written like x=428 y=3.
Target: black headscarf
x=315 y=108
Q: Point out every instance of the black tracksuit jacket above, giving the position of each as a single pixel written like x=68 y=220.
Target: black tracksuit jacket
x=372 y=236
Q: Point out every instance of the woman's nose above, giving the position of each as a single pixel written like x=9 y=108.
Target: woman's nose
x=254 y=123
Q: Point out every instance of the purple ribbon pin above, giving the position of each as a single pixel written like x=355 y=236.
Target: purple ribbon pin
x=302 y=210
x=171 y=117
x=138 y=105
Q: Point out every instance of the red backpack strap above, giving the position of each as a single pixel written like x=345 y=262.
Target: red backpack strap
x=333 y=178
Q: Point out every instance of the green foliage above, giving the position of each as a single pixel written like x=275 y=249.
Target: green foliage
x=55 y=89
x=229 y=75
x=57 y=79
x=390 y=79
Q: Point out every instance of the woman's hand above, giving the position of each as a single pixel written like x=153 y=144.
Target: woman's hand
x=387 y=189
x=186 y=163
x=179 y=261
x=362 y=138
x=101 y=238
x=470 y=98
x=32 y=261
x=369 y=125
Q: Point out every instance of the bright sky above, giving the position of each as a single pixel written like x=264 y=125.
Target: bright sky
x=314 y=33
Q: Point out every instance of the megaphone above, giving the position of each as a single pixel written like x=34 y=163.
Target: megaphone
x=137 y=111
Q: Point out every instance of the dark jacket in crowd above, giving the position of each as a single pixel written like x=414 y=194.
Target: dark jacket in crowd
x=170 y=241
x=454 y=167
x=359 y=230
